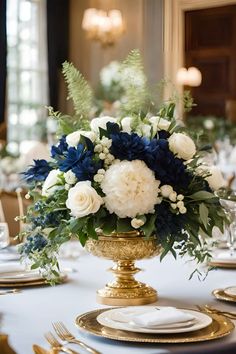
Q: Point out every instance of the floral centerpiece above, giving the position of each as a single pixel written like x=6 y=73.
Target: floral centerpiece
x=140 y=171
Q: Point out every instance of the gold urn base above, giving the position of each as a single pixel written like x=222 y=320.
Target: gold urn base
x=124 y=249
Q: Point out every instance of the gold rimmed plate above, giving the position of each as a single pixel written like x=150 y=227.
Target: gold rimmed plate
x=220 y=327
x=23 y=283
x=221 y=295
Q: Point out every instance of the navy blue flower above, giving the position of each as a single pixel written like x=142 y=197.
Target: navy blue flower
x=169 y=224
x=80 y=162
x=163 y=134
x=59 y=149
x=128 y=146
x=37 y=172
x=167 y=168
x=34 y=243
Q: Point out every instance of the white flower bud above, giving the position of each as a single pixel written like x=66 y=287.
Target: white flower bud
x=180 y=204
x=98 y=178
x=101 y=171
x=98 y=148
x=173 y=196
x=136 y=223
x=166 y=190
x=173 y=206
x=27 y=196
x=182 y=210
x=110 y=157
x=102 y=156
x=180 y=197
x=105 y=150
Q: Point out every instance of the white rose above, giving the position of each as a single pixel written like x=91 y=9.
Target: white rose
x=159 y=123
x=101 y=122
x=49 y=186
x=166 y=190
x=74 y=138
x=182 y=145
x=137 y=223
x=83 y=200
x=215 y=180
x=126 y=124
x=70 y=177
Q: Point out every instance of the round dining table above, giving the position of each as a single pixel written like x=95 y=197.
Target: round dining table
x=28 y=315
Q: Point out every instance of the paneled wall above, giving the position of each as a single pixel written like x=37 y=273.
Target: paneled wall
x=144 y=30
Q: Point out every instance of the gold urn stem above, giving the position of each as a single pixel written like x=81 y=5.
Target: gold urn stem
x=124 y=272
x=125 y=290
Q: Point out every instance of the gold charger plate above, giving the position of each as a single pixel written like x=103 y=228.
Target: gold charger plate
x=221 y=295
x=220 y=327
x=30 y=283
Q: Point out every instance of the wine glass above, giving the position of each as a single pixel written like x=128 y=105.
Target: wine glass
x=228 y=202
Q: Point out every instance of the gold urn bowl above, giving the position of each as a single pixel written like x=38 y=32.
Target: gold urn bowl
x=124 y=249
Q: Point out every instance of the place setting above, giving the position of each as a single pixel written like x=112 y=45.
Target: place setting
x=226 y=294
x=16 y=275
x=155 y=324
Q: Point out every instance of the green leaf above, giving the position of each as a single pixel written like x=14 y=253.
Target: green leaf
x=90 y=229
x=203 y=212
x=109 y=224
x=202 y=195
x=124 y=225
x=78 y=89
x=149 y=226
x=83 y=238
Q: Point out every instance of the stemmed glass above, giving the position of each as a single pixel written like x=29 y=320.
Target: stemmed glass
x=228 y=201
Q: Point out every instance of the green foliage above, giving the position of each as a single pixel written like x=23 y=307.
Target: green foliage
x=78 y=90
x=210 y=129
x=134 y=81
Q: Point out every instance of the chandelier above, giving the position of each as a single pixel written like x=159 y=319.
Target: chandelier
x=103 y=26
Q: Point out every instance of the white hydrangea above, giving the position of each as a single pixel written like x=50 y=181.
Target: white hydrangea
x=130 y=189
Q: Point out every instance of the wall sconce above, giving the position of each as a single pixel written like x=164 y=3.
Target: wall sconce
x=189 y=77
x=103 y=26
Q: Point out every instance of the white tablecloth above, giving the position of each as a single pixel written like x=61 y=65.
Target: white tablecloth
x=29 y=314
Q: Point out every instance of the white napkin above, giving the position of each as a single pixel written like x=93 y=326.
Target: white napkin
x=163 y=316
x=152 y=317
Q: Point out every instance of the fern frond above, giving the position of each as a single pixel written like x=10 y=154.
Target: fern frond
x=134 y=81
x=78 y=90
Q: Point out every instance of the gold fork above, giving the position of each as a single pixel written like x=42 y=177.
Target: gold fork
x=67 y=336
x=57 y=345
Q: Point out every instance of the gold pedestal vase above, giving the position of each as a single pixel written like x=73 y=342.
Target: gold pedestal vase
x=124 y=249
